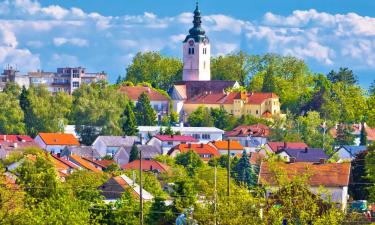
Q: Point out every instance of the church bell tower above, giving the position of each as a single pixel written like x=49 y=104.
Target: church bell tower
x=196 y=52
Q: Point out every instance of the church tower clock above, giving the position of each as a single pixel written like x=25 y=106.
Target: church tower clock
x=196 y=52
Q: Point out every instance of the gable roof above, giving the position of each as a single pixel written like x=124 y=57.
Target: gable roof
x=83 y=163
x=147 y=165
x=58 y=139
x=148 y=151
x=223 y=145
x=307 y=154
x=180 y=138
x=353 y=150
x=194 y=88
x=117 y=141
x=103 y=163
x=127 y=183
x=134 y=92
x=15 y=138
x=200 y=149
x=10 y=143
x=276 y=146
x=259 y=97
x=82 y=151
x=256 y=130
x=228 y=98
x=328 y=175
x=64 y=161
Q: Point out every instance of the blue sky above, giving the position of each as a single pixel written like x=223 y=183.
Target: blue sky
x=105 y=34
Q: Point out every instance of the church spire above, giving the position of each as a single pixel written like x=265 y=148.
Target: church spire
x=197 y=32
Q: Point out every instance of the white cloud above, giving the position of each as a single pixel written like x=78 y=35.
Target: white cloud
x=72 y=41
x=19 y=57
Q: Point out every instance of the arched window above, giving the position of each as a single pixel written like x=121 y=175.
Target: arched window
x=191 y=51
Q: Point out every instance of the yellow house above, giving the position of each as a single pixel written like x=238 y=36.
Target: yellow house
x=264 y=105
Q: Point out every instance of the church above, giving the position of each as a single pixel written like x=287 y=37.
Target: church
x=197 y=88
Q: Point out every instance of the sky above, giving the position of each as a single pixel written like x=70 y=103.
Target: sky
x=104 y=35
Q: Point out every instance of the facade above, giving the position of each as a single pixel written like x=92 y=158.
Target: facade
x=347 y=152
x=333 y=177
x=81 y=151
x=165 y=142
x=122 y=156
x=55 y=142
x=202 y=134
x=252 y=137
x=205 y=151
x=109 y=145
x=158 y=101
x=147 y=165
x=11 y=74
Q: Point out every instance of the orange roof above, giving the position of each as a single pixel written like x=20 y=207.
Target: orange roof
x=267 y=114
x=147 y=165
x=84 y=163
x=133 y=93
x=200 y=149
x=259 y=98
x=103 y=163
x=328 y=175
x=58 y=164
x=58 y=139
x=223 y=145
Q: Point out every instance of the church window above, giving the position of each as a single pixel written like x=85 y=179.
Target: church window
x=204 y=51
x=191 y=51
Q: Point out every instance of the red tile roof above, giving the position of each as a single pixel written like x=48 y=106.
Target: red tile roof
x=223 y=145
x=228 y=98
x=200 y=149
x=14 y=142
x=257 y=130
x=104 y=163
x=181 y=138
x=275 y=146
x=328 y=175
x=65 y=161
x=147 y=165
x=15 y=138
x=134 y=92
x=58 y=139
x=258 y=97
x=83 y=163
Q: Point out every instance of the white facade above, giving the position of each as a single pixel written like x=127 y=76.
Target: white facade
x=196 y=58
x=50 y=148
x=164 y=146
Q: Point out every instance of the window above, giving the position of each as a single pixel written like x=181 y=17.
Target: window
x=75 y=75
x=206 y=136
x=204 y=51
x=197 y=136
x=75 y=84
x=206 y=156
x=191 y=51
x=257 y=112
x=170 y=142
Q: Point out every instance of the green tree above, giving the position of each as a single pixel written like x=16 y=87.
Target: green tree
x=344 y=75
x=370 y=171
x=371 y=89
x=358 y=187
x=244 y=173
x=269 y=81
x=129 y=124
x=11 y=115
x=344 y=135
x=201 y=118
x=160 y=71
x=220 y=117
x=190 y=161
x=144 y=113
x=160 y=213
x=134 y=153
x=12 y=89
x=363 y=135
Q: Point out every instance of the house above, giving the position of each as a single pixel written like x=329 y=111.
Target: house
x=205 y=151
x=113 y=189
x=334 y=177
x=348 y=152
x=202 y=134
x=83 y=164
x=303 y=155
x=14 y=143
x=109 y=145
x=147 y=165
x=166 y=142
x=101 y=164
x=81 y=151
x=148 y=152
x=55 y=142
x=62 y=165
x=159 y=101
x=274 y=147
x=356 y=131
x=252 y=137
x=222 y=147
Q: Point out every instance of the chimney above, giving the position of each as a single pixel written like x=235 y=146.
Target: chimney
x=322 y=161
x=285 y=145
x=292 y=160
x=189 y=145
x=58 y=155
x=201 y=145
x=306 y=150
x=172 y=136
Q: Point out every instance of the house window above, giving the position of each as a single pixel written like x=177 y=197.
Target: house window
x=191 y=51
x=204 y=51
x=75 y=75
x=75 y=84
x=206 y=136
x=170 y=142
x=204 y=65
x=257 y=112
x=197 y=136
x=206 y=156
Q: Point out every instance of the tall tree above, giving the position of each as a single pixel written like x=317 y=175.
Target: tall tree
x=144 y=113
x=220 y=117
x=371 y=89
x=344 y=135
x=244 y=171
x=269 y=80
x=129 y=123
x=370 y=171
x=134 y=153
x=190 y=161
x=358 y=187
x=11 y=115
x=201 y=118
x=344 y=75
x=363 y=135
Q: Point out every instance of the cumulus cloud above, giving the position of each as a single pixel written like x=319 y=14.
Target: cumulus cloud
x=72 y=41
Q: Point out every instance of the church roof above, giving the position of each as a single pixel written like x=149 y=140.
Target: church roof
x=196 y=32
x=190 y=89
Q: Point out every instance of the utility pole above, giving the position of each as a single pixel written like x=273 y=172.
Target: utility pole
x=215 y=200
x=140 y=188
x=228 y=181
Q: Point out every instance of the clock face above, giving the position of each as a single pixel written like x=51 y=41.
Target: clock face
x=191 y=42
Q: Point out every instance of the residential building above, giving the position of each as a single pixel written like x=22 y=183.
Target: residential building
x=149 y=152
x=356 y=131
x=348 y=152
x=62 y=165
x=222 y=147
x=205 y=151
x=159 y=101
x=274 y=147
x=147 y=165
x=113 y=189
x=14 y=143
x=303 y=155
x=202 y=134
x=55 y=142
x=252 y=137
x=101 y=164
x=11 y=74
x=82 y=151
x=165 y=142
x=333 y=177
x=109 y=145
x=84 y=164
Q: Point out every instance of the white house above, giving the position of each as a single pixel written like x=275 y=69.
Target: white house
x=347 y=152
x=202 y=134
x=109 y=145
x=165 y=142
x=333 y=177
x=252 y=137
x=55 y=142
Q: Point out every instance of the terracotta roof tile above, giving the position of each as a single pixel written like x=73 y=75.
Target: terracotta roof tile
x=194 y=88
x=183 y=138
x=328 y=175
x=256 y=130
x=147 y=165
x=259 y=98
x=104 y=163
x=134 y=92
x=200 y=149
x=223 y=145
x=83 y=163
x=58 y=139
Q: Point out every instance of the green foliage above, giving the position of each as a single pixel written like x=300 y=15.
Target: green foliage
x=370 y=171
x=160 y=214
x=161 y=72
x=344 y=135
x=220 y=117
x=344 y=75
x=166 y=159
x=201 y=118
x=358 y=187
x=129 y=123
x=11 y=115
x=244 y=172
x=190 y=161
x=12 y=89
x=134 y=153
x=144 y=113
x=363 y=135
